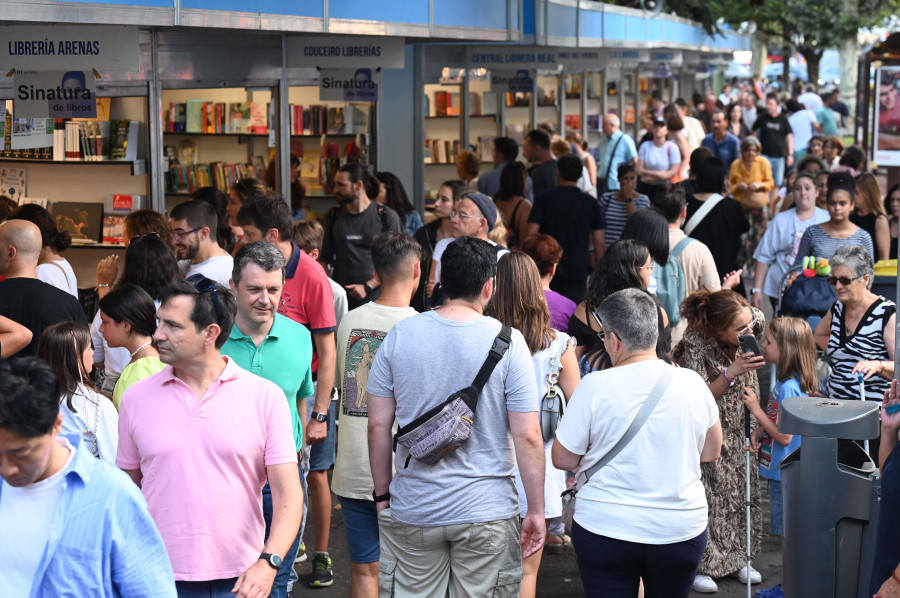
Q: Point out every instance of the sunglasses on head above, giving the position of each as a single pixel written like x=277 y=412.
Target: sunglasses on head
x=139 y=237
x=204 y=285
x=833 y=280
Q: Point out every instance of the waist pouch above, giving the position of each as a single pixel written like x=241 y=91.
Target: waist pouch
x=443 y=429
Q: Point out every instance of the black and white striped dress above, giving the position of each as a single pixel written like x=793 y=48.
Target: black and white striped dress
x=867 y=344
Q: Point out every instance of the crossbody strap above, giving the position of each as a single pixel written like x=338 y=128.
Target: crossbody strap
x=498 y=349
x=700 y=214
x=609 y=159
x=634 y=428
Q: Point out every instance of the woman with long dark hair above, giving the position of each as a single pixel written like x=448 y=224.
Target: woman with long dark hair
x=392 y=194
x=511 y=203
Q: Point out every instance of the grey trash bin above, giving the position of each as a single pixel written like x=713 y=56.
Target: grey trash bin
x=830 y=491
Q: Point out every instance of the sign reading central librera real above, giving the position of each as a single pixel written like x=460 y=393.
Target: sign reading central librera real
x=54 y=94
x=70 y=47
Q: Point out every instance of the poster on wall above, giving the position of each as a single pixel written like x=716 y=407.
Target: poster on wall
x=54 y=94
x=12 y=182
x=31 y=133
x=349 y=85
x=887 y=116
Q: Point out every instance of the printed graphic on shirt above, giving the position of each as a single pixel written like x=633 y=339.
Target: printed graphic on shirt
x=361 y=348
x=765 y=451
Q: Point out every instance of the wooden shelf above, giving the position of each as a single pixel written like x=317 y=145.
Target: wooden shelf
x=186 y=134
x=494 y=116
x=97 y=246
x=138 y=167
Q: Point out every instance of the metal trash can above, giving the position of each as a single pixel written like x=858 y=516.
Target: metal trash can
x=830 y=491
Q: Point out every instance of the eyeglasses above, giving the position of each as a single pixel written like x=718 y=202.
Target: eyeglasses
x=139 y=237
x=603 y=335
x=460 y=215
x=651 y=267
x=203 y=285
x=845 y=281
x=180 y=233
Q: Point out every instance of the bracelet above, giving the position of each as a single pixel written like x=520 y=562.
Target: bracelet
x=729 y=382
x=755 y=290
x=102 y=285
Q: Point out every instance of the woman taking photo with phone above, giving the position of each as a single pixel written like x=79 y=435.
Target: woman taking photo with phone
x=710 y=348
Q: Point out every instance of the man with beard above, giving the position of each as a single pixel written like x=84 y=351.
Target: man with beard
x=194 y=225
x=349 y=230
x=236 y=429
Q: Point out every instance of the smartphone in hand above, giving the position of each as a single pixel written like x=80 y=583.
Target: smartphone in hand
x=749 y=344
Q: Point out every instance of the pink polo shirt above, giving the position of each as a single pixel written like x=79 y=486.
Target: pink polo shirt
x=204 y=464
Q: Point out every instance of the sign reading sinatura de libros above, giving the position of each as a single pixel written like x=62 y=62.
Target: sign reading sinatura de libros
x=538 y=57
x=345 y=52
x=82 y=47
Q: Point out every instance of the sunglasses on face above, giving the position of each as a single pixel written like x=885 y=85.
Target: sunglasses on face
x=205 y=285
x=845 y=281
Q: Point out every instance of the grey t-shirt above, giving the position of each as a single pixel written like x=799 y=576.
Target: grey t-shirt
x=475 y=483
x=543 y=177
x=348 y=242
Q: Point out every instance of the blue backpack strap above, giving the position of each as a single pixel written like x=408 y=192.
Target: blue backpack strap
x=676 y=251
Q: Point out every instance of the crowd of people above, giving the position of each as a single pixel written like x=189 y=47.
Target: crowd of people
x=169 y=433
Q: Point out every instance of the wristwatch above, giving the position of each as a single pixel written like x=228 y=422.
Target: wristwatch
x=319 y=416
x=755 y=290
x=273 y=559
x=368 y=287
x=629 y=200
x=381 y=497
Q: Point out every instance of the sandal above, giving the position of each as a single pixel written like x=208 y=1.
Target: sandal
x=557 y=547
x=775 y=592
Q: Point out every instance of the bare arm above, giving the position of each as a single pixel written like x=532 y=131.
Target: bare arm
x=758 y=279
x=529 y=445
x=569 y=375
x=13 y=337
x=882 y=237
x=381 y=418
x=822 y=332
x=533 y=228
x=136 y=476
x=316 y=430
x=522 y=220
x=712 y=446
x=599 y=244
x=563 y=458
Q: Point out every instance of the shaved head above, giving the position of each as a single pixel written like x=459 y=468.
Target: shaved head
x=25 y=237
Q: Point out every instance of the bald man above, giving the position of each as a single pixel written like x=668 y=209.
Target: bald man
x=615 y=148
x=24 y=298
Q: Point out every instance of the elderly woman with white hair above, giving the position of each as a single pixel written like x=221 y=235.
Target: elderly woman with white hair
x=642 y=514
x=858 y=330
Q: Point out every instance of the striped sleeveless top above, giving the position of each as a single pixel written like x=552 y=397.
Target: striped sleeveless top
x=867 y=344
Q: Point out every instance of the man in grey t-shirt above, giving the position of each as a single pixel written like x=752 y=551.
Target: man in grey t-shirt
x=536 y=149
x=463 y=510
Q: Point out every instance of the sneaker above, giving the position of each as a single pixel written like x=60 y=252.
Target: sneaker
x=321 y=577
x=301 y=553
x=704 y=584
x=755 y=576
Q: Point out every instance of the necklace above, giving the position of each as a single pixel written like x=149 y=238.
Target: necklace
x=139 y=349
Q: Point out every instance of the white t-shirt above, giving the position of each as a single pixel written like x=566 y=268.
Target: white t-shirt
x=358 y=338
x=802 y=126
x=26 y=515
x=217 y=268
x=779 y=245
x=60 y=274
x=441 y=246
x=94 y=415
x=651 y=492
x=339 y=296
x=693 y=131
x=659 y=158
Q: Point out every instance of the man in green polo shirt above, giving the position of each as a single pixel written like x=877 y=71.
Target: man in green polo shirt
x=272 y=346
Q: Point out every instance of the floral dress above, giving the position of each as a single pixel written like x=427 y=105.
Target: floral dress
x=724 y=478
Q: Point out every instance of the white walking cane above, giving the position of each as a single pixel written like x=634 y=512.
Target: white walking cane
x=747 y=452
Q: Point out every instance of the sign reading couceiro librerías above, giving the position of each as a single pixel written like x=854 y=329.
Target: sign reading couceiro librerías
x=345 y=52
x=82 y=47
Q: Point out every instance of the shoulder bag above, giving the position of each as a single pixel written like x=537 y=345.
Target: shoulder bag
x=553 y=404
x=700 y=214
x=568 y=496
x=443 y=429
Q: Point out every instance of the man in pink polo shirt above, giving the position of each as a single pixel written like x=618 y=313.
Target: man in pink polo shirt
x=200 y=438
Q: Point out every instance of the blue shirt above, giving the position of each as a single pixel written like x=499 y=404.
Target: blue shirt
x=103 y=542
x=612 y=153
x=727 y=151
x=772 y=453
x=489 y=183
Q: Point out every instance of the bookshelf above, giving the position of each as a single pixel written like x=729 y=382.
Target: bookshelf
x=443 y=132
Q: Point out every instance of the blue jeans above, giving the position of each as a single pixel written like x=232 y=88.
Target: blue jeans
x=777 y=165
x=613 y=568
x=776 y=526
x=217 y=588
x=280 y=586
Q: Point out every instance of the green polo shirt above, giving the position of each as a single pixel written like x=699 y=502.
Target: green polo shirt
x=284 y=357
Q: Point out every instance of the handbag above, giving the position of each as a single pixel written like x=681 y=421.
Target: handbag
x=553 y=404
x=443 y=429
x=568 y=496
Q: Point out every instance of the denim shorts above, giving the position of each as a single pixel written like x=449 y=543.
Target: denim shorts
x=321 y=455
x=361 y=527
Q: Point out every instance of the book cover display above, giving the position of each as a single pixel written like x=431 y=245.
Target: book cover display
x=82 y=220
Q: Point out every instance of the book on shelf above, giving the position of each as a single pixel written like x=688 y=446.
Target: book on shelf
x=115 y=209
x=12 y=182
x=573 y=121
x=475 y=108
x=239 y=117
x=358 y=118
x=194 y=116
x=486 y=148
x=123 y=140
x=310 y=165
x=489 y=103
x=82 y=220
x=259 y=122
x=443 y=151
x=187 y=178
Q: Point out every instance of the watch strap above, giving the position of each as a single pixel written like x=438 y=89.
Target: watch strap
x=381 y=497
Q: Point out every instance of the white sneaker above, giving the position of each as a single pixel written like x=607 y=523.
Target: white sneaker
x=755 y=576
x=704 y=584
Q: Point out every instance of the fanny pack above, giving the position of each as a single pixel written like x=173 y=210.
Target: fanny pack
x=443 y=429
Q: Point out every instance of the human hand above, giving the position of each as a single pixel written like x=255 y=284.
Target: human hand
x=732 y=279
x=891 y=397
x=887 y=589
x=756 y=300
x=789 y=160
x=751 y=401
x=108 y=270
x=380 y=506
x=357 y=291
x=742 y=186
x=755 y=440
x=868 y=368
x=256 y=582
x=743 y=363
x=315 y=432
x=534 y=533
x=429 y=288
